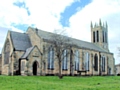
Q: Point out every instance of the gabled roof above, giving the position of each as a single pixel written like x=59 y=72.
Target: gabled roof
x=79 y=43
x=20 y=41
x=28 y=51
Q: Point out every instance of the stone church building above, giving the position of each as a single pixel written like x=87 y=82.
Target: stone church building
x=31 y=53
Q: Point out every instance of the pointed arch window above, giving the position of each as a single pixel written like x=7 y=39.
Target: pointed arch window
x=103 y=63
x=87 y=61
x=96 y=62
x=94 y=36
x=51 y=58
x=77 y=60
x=97 y=36
x=7 y=52
x=64 y=61
x=103 y=36
x=106 y=37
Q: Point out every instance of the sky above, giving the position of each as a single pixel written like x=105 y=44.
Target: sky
x=74 y=16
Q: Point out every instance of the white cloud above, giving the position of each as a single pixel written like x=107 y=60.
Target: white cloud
x=46 y=14
x=107 y=10
x=10 y=13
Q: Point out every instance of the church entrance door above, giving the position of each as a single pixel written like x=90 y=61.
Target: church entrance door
x=35 y=68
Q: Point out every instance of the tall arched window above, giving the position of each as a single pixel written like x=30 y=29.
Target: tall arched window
x=6 y=52
x=87 y=61
x=51 y=58
x=103 y=36
x=94 y=36
x=106 y=37
x=103 y=63
x=77 y=60
x=96 y=62
x=64 y=61
x=97 y=36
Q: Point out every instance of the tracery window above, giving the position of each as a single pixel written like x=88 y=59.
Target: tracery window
x=77 y=60
x=103 y=63
x=51 y=58
x=7 y=52
x=87 y=61
x=64 y=61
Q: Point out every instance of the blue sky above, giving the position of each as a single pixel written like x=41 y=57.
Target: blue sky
x=71 y=10
x=74 y=16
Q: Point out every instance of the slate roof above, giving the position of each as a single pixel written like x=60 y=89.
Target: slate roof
x=25 y=55
x=79 y=43
x=20 y=41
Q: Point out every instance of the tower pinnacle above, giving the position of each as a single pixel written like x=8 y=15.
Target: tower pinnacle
x=91 y=25
x=100 y=22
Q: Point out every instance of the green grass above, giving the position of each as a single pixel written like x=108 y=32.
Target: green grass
x=54 y=83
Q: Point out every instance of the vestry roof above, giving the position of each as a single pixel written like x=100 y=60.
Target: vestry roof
x=25 y=55
x=20 y=41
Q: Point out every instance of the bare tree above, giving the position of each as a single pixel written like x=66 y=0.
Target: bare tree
x=61 y=43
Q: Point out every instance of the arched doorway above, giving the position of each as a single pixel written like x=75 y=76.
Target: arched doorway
x=35 y=68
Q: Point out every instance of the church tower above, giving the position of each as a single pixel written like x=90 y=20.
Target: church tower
x=99 y=35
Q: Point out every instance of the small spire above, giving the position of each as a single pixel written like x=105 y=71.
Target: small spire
x=91 y=25
x=100 y=22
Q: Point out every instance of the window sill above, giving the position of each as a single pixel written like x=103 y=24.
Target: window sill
x=76 y=70
x=64 y=69
x=50 y=68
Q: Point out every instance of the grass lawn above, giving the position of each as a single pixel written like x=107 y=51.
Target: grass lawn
x=54 y=83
